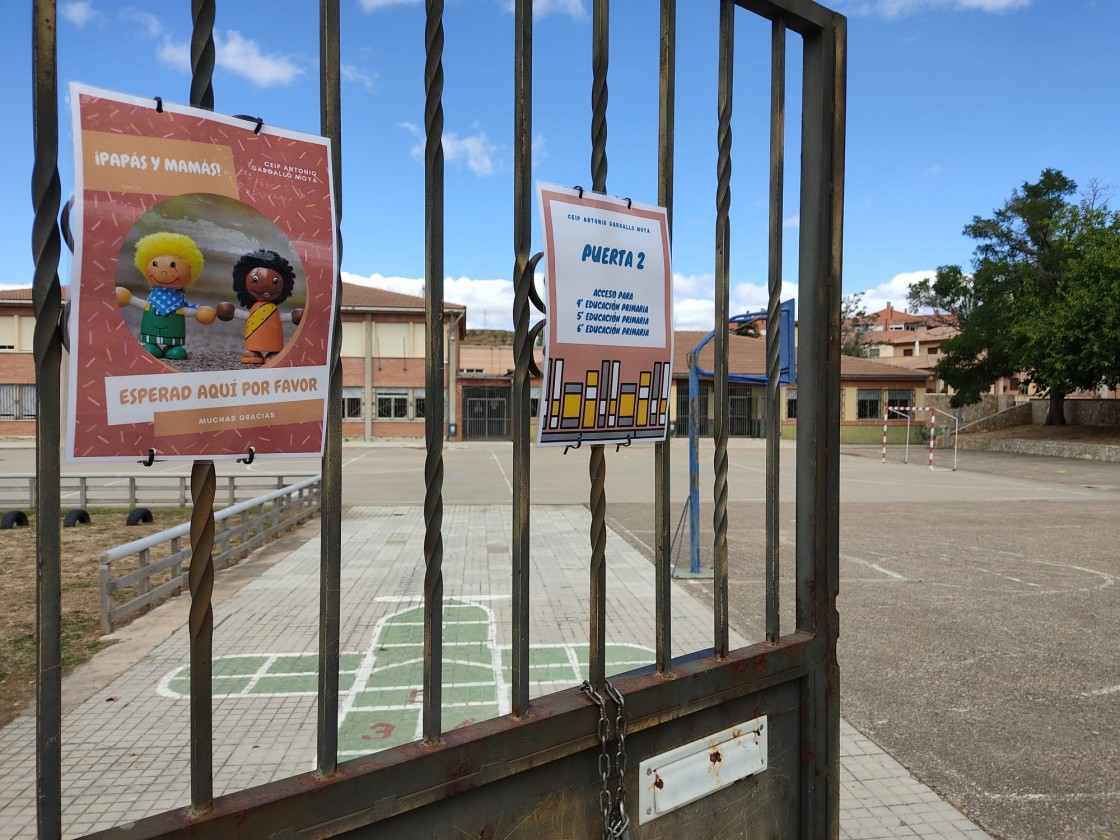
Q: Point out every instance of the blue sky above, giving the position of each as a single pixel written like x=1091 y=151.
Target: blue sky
x=951 y=104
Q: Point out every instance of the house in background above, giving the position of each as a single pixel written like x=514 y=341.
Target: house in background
x=383 y=350
x=17 y=363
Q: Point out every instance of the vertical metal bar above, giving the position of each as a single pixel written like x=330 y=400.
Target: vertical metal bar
x=330 y=539
x=597 y=466
x=203 y=490
x=200 y=628
x=522 y=349
x=723 y=317
x=773 y=325
x=662 y=516
x=818 y=474
x=47 y=300
x=693 y=466
x=434 y=368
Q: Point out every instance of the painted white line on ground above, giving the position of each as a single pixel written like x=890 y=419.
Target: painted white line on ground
x=502 y=470
x=1007 y=577
x=874 y=566
x=1101 y=692
x=618 y=526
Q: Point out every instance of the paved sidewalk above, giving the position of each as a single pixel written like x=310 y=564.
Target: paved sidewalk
x=125 y=748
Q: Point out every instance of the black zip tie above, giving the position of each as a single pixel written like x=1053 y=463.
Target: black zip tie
x=159 y=104
x=258 y=120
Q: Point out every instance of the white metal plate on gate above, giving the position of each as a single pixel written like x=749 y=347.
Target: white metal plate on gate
x=685 y=774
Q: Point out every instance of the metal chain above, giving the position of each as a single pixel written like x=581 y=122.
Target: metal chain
x=620 y=825
x=606 y=801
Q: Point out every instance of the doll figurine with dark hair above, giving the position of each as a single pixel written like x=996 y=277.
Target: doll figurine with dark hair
x=262 y=279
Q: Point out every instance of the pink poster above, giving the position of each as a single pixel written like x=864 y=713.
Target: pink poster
x=203 y=293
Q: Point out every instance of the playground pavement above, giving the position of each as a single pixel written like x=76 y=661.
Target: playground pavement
x=126 y=727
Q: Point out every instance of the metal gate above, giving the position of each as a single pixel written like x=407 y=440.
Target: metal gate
x=558 y=765
x=486 y=414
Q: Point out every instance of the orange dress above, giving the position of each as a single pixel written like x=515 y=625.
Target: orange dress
x=263 y=331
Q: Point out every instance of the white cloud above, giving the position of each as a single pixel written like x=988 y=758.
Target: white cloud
x=894 y=291
x=538 y=151
x=792 y=222
x=78 y=12
x=694 y=300
x=489 y=302
x=901 y=8
x=175 y=54
x=572 y=8
x=475 y=149
x=354 y=73
x=239 y=55
x=374 y=5
x=151 y=23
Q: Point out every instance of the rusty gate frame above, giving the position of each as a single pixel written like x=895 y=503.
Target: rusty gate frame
x=394 y=789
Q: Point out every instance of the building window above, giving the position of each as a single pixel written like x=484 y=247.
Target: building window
x=534 y=401
x=351 y=403
x=909 y=351
x=873 y=352
x=791 y=405
x=418 y=398
x=392 y=404
x=932 y=351
x=900 y=398
x=17 y=402
x=869 y=403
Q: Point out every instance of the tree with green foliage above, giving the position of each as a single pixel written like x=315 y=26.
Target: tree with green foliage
x=1042 y=300
x=856 y=325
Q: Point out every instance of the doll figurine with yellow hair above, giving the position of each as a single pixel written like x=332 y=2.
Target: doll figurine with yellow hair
x=170 y=262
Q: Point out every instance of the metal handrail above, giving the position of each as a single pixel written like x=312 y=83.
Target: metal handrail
x=307 y=494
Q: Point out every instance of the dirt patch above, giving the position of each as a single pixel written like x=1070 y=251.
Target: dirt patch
x=1098 y=435
x=81 y=626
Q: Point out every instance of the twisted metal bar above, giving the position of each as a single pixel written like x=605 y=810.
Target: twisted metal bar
x=661 y=467
x=433 y=414
x=47 y=301
x=200 y=575
x=522 y=345
x=597 y=466
x=600 y=54
x=773 y=324
x=723 y=317
x=200 y=627
x=202 y=54
x=330 y=545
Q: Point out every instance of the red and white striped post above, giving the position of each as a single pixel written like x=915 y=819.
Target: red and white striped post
x=886 y=415
x=932 y=433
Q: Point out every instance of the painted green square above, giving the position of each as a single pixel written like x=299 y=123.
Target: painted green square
x=466 y=632
x=411 y=674
x=477 y=653
x=304 y=663
x=236 y=665
x=454 y=718
x=469 y=694
x=395 y=696
x=372 y=731
x=460 y=673
x=285 y=685
x=395 y=634
x=349 y=661
x=552 y=655
x=397 y=655
x=415 y=615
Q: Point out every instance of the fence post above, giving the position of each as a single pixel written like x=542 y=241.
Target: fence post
x=82 y=488
x=132 y=491
x=104 y=576
x=143 y=558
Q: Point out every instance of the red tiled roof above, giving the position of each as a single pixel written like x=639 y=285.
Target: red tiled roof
x=748 y=355
x=357 y=296
x=21 y=295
